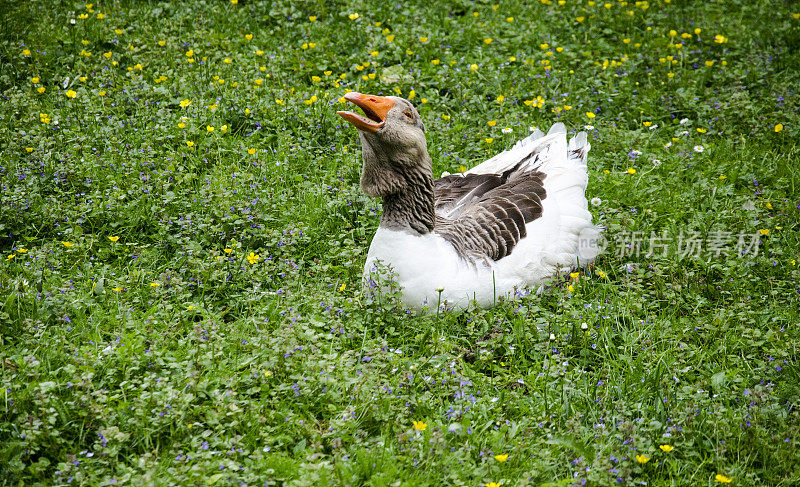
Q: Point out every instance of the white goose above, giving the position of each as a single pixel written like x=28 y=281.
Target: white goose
x=507 y=224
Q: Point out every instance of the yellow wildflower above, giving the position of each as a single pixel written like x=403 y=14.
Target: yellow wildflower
x=419 y=425
x=642 y=458
x=253 y=258
x=114 y=238
x=501 y=458
x=67 y=244
x=631 y=170
x=590 y=115
x=353 y=16
x=666 y=448
x=71 y=94
x=722 y=479
x=779 y=127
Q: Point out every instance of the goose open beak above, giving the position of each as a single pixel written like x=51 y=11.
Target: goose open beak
x=375 y=108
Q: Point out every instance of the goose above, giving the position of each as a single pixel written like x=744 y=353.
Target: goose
x=499 y=230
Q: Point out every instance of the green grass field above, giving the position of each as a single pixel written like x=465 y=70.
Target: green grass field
x=182 y=238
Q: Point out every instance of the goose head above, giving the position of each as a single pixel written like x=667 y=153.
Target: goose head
x=392 y=142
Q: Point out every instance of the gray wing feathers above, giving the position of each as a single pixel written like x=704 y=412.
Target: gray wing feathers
x=492 y=212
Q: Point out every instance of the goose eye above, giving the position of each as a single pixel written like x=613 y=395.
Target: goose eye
x=408 y=114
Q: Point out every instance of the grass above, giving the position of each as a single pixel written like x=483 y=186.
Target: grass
x=140 y=345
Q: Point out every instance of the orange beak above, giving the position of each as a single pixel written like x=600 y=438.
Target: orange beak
x=375 y=108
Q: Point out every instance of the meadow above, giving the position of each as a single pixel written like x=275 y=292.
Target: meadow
x=183 y=235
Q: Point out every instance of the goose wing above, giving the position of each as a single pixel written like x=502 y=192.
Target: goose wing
x=484 y=212
x=485 y=215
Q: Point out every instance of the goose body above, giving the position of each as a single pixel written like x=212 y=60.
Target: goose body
x=503 y=227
